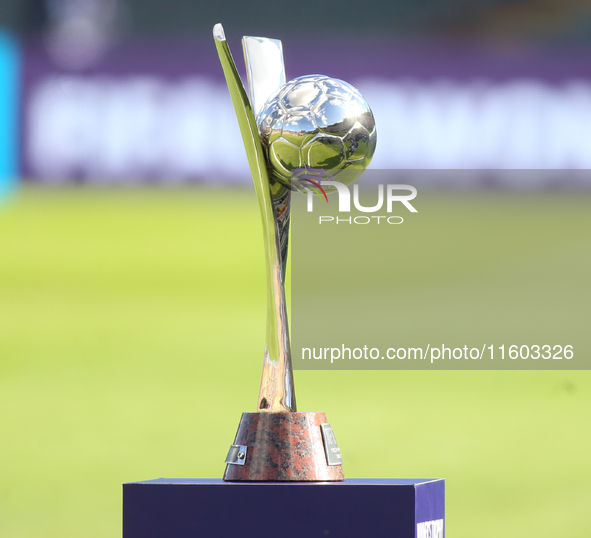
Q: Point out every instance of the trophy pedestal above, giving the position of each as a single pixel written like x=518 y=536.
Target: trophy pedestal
x=284 y=446
x=192 y=508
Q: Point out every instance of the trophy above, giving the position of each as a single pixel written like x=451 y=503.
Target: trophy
x=314 y=135
x=299 y=136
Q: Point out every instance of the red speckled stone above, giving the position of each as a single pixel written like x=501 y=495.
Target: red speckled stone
x=283 y=446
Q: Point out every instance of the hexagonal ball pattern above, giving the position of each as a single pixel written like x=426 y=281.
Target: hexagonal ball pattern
x=317 y=122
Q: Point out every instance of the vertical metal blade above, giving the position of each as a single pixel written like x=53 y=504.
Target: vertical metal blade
x=277 y=380
x=264 y=68
x=266 y=73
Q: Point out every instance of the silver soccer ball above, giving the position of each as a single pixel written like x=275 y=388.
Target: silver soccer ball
x=316 y=123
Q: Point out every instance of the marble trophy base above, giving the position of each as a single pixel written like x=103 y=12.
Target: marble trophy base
x=353 y=508
x=284 y=447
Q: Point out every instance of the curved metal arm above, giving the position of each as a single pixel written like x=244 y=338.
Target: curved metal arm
x=277 y=390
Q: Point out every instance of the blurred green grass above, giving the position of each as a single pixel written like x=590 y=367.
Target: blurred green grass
x=131 y=339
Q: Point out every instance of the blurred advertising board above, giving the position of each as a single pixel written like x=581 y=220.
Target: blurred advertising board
x=9 y=88
x=160 y=112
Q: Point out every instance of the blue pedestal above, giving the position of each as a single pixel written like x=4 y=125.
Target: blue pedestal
x=355 y=508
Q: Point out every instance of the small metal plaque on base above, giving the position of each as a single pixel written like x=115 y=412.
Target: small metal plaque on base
x=333 y=452
x=237 y=455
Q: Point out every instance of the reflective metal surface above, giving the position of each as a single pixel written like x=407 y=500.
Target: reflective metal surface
x=317 y=122
x=277 y=391
x=266 y=73
x=264 y=68
x=313 y=123
x=237 y=455
x=331 y=448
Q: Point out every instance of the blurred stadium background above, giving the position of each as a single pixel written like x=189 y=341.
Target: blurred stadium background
x=131 y=319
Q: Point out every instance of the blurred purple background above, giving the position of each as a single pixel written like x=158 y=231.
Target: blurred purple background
x=122 y=91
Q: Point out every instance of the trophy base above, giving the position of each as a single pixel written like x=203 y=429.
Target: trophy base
x=284 y=447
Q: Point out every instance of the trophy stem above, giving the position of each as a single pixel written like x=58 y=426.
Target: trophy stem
x=277 y=389
x=277 y=386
